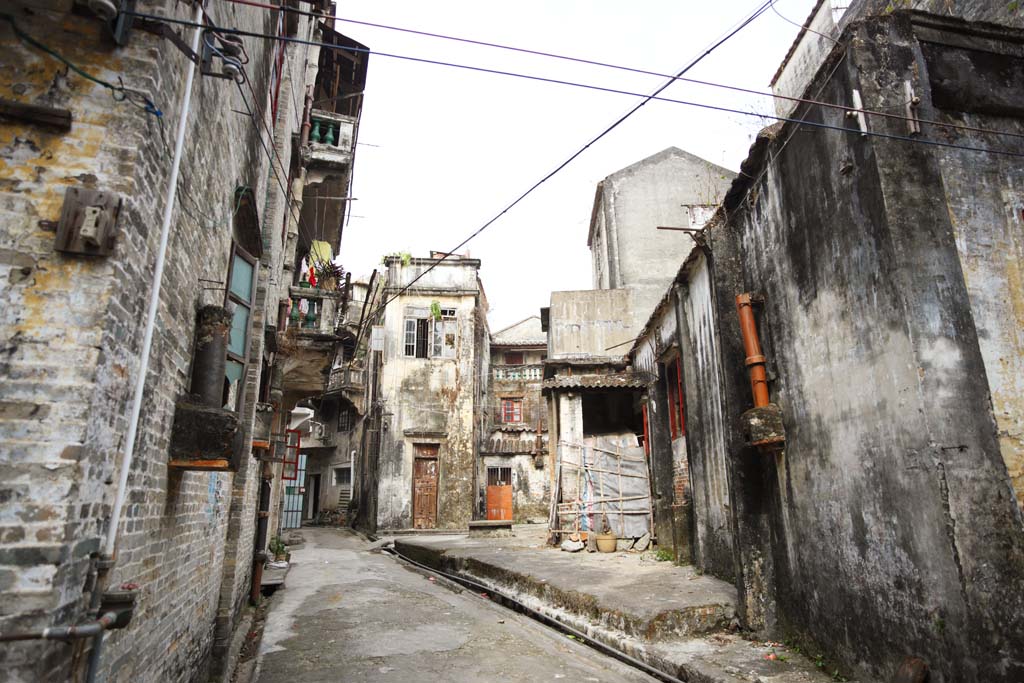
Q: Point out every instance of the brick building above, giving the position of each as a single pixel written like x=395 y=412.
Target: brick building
x=516 y=468
x=74 y=284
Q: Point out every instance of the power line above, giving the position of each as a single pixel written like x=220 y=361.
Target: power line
x=619 y=67
x=617 y=91
x=647 y=98
x=120 y=93
x=576 y=154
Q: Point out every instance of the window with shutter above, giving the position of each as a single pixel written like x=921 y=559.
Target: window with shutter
x=240 y=292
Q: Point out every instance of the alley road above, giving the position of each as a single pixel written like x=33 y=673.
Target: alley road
x=348 y=614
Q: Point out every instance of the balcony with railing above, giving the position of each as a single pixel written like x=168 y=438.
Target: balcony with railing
x=314 y=312
x=345 y=378
x=331 y=138
x=520 y=373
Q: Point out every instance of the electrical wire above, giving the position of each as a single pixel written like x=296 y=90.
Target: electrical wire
x=630 y=93
x=802 y=27
x=120 y=93
x=743 y=24
x=300 y=224
x=628 y=69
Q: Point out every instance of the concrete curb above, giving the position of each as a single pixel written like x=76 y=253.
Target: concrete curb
x=700 y=655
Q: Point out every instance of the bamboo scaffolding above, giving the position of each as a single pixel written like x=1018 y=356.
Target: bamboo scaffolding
x=590 y=497
x=610 y=499
x=596 y=469
x=622 y=517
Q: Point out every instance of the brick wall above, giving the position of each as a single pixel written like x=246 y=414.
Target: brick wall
x=71 y=331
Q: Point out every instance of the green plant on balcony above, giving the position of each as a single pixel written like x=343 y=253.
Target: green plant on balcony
x=329 y=275
x=405 y=257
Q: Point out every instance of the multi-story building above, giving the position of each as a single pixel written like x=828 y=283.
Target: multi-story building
x=516 y=468
x=629 y=247
x=150 y=224
x=430 y=389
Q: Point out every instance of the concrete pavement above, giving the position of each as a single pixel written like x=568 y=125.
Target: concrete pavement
x=348 y=614
x=669 y=617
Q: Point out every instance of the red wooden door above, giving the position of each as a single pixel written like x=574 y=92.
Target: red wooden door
x=424 y=493
x=499 y=493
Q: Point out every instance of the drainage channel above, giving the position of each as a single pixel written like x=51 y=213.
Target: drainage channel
x=511 y=603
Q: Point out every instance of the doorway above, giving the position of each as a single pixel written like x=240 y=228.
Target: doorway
x=424 y=492
x=499 y=493
x=313 y=495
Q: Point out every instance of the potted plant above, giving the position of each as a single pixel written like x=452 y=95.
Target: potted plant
x=606 y=540
x=329 y=275
x=278 y=548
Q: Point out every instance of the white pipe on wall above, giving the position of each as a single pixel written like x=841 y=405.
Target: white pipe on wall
x=110 y=544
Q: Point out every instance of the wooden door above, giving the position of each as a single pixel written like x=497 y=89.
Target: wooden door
x=499 y=493
x=424 y=492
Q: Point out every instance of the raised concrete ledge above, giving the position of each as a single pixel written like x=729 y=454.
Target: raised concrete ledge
x=491 y=528
x=667 y=616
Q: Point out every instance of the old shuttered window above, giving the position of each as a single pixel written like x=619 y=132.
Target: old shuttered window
x=430 y=338
x=511 y=410
x=241 y=291
x=443 y=342
x=416 y=337
x=514 y=358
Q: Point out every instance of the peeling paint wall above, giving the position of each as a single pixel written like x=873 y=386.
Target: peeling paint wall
x=430 y=400
x=517 y=444
x=71 y=331
x=887 y=527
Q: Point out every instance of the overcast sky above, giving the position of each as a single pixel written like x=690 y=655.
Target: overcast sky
x=443 y=150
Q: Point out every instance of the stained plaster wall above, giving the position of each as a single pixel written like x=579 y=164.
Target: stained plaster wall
x=430 y=400
x=812 y=46
x=888 y=526
x=590 y=323
x=531 y=486
x=691 y=472
x=667 y=456
x=627 y=249
x=515 y=445
x=72 y=329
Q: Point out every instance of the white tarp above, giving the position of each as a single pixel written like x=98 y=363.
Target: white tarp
x=604 y=476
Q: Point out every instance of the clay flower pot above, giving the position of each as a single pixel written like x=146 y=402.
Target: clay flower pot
x=606 y=543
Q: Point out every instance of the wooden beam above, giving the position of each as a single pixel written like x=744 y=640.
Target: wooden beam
x=35 y=114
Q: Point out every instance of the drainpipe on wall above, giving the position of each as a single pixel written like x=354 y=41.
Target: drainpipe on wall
x=762 y=424
x=108 y=557
x=262 y=520
x=752 y=347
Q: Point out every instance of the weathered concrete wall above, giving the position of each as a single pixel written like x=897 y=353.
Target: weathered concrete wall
x=811 y=47
x=515 y=445
x=657 y=345
x=531 y=488
x=627 y=249
x=893 y=529
x=590 y=323
x=72 y=329
x=984 y=199
x=430 y=400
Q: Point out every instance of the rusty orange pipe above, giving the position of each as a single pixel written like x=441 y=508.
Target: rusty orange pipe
x=752 y=347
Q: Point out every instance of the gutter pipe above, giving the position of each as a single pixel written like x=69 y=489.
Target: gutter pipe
x=110 y=543
x=752 y=347
x=65 y=633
